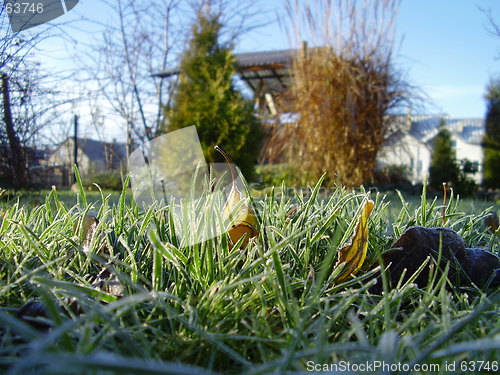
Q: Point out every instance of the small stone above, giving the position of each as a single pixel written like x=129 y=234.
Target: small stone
x=31 y=312
x=88 y=228
x=75 y=188
x=32 y=308
x=89 y=225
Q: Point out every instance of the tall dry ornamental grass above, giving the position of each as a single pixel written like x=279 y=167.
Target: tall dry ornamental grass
x=344 y=86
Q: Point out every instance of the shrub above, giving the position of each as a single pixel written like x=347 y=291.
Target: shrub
x=444 y=167
x=393 y=177
x=491 y=140
x=274 y=174
x=109 y=180
x=342 y=90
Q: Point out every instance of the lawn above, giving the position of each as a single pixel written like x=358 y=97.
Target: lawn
x=133 y=299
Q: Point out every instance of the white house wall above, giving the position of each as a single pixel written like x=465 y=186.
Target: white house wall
x=64 y=156
x=410 y=153
x=471 y=152
x=416 y=156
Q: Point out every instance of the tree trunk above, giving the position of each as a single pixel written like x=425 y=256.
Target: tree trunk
x=17 y=157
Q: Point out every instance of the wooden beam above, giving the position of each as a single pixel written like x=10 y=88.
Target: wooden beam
x=261 y=67
x=278 y=77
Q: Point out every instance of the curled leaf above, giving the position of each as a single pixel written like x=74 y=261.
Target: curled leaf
x=353 y=253
x=238 y=211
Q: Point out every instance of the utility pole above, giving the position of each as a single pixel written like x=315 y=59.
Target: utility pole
x=75 y=143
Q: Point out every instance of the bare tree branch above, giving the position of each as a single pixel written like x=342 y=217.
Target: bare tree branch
x=121 y=66
x=33 y=100
x=492 y=26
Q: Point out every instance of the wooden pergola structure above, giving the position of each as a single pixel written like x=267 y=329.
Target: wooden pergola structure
x=266 y=73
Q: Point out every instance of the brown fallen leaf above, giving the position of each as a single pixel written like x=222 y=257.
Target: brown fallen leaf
x=353 y=253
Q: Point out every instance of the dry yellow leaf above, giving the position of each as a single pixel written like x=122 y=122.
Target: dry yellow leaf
x=247 y=228
x=243 y=220
x=353 y=253
x=239 y=211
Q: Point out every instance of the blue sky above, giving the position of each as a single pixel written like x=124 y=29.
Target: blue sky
x=449 y=53
x=444 y=47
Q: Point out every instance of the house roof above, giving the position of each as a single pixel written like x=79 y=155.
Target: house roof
x=425 y=127
x=265 y=59
x=97 y=150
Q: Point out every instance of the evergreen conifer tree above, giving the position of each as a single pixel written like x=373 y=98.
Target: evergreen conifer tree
x=443 y=166
x=491 y=140
x=206 y=97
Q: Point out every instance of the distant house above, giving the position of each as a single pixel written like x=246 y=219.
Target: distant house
x=93 y=157
x=412 y=146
